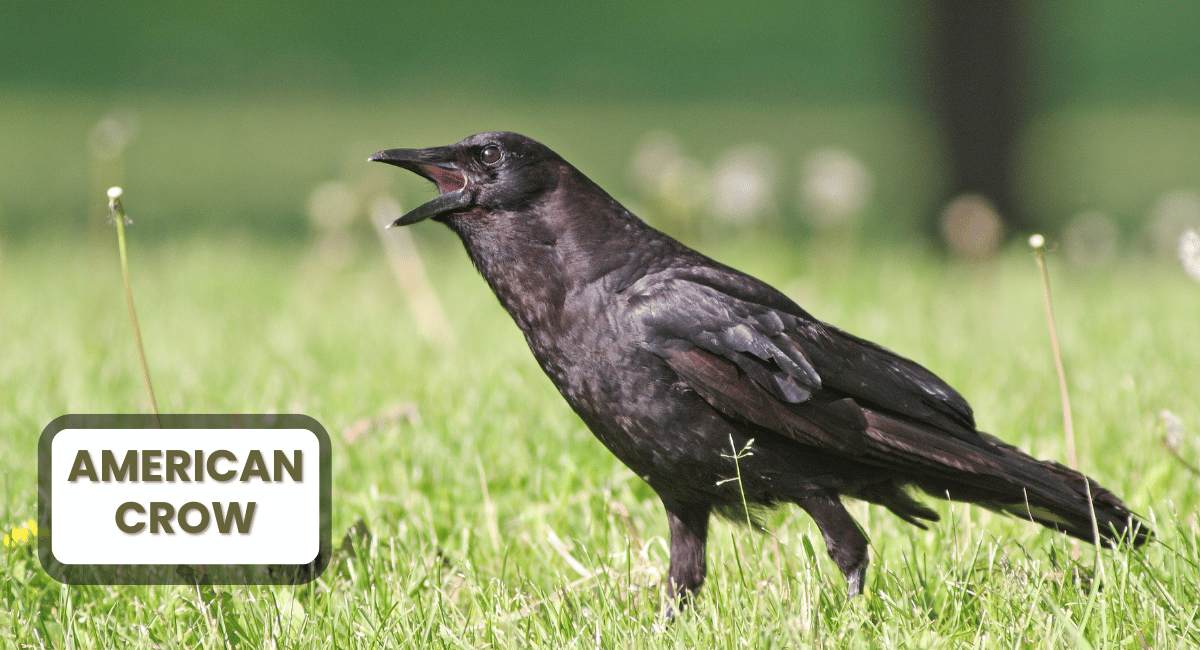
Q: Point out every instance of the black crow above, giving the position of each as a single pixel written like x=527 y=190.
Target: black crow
x=693 y=373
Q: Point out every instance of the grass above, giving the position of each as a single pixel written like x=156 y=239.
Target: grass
x=496 y=519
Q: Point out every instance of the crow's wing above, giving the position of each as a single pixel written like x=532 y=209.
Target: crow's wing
x=753 y=353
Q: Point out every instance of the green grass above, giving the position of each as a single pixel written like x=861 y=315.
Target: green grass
x=546 y=559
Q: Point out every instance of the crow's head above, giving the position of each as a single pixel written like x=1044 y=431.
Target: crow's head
x=487 y=172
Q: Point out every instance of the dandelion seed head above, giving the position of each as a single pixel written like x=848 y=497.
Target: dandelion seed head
x=654 y=153
x=1037 y=241
x=1174 y=429
x=1189 y=253
x=743 y=184
x=971 y=226
x=834 y=186
x=1173 y=214
x=112 y=134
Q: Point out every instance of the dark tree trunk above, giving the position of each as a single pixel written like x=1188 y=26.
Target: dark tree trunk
x=979 y=72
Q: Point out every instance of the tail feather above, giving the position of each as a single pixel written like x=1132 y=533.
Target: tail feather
x=1005 y=479
x=1081 y=507
x=1052 y=495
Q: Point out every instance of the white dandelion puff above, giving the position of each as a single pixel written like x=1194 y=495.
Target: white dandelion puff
x=1189 y=253
x=1173 y=424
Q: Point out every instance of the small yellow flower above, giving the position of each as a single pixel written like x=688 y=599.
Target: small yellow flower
x=22 y=534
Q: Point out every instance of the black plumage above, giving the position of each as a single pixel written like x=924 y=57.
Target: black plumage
x=675 y=361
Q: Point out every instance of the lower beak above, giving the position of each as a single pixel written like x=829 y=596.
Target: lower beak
x=437 y=165
x=448 y=202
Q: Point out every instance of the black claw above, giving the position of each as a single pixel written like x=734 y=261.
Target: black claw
x=857 y=579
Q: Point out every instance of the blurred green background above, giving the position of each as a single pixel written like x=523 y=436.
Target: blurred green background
x=793 y=117
x=805 y=143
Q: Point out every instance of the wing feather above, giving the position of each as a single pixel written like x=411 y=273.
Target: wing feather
x=838 y=425
x=797 y=374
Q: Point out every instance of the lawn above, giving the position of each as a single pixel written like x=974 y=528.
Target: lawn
x=496 y=520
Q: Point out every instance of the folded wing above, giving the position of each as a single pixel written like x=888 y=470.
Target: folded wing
x=756 y=355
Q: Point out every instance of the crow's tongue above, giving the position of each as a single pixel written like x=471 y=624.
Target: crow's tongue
x=447 y=180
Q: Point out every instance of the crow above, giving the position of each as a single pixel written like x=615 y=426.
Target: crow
x=693 y=373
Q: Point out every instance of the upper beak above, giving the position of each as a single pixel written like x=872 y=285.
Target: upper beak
x=436 y=164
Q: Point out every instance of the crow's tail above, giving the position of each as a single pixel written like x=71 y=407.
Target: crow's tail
x=987 y=471
x=1048 y=493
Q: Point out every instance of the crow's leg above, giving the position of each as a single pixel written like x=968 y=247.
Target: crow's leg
x=845 y=540
x=689 y=533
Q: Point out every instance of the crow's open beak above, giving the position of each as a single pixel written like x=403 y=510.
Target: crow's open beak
x=436 y=164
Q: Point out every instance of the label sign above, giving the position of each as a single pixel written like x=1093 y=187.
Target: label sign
x=224 y=499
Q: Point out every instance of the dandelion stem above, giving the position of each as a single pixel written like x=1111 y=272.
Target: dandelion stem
x=1189 y=466
x=1039 y=253
x=118 y=217
x=1099 y=564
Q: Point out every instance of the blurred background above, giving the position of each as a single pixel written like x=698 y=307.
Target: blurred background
x=960 y=125
x=883 y=163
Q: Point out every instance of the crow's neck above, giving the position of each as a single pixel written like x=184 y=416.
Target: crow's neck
x=534 y=260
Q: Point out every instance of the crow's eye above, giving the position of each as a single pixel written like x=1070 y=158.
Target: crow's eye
x=490 y=155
